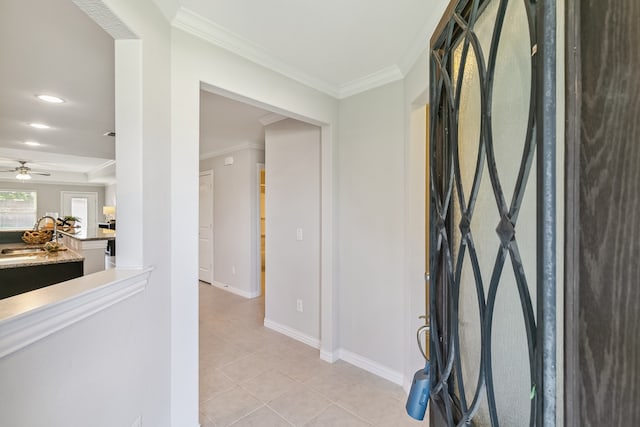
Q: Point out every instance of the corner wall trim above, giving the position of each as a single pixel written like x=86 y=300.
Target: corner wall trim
x=63 y=304
x=292 y=333
x=329 y=356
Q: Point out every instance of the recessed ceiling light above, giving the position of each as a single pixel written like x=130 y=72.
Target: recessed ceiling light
x=39 y=125
x=50 y=98
x=32 y=143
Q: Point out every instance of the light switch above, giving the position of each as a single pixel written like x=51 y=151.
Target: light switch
x=299 y=234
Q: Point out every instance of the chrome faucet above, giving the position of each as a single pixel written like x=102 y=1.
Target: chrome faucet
x=55 y=226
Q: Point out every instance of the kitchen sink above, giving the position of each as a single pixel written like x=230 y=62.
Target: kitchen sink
x=21 y=251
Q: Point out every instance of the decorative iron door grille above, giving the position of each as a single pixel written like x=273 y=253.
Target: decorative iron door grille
x=490 y=215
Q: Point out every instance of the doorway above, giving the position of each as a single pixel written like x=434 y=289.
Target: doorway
x=205 y=228
x=83 y=205
x=262 y=228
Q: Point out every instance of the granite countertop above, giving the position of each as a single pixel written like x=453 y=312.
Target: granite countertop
x=36 y=259
x=90 y=233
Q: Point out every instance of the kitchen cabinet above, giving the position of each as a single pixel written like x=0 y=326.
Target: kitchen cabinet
x=91 y=244
x=18 y=280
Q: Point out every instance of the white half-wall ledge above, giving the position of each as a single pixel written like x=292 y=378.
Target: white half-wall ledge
x=32 y=316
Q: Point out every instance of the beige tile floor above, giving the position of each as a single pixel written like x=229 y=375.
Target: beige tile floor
x=252 y=376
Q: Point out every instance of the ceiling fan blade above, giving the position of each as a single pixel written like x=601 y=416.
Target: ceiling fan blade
x=40 y=173
x=9 y=170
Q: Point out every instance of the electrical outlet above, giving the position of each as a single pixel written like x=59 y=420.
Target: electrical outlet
x=233 y=270
x=299 y=305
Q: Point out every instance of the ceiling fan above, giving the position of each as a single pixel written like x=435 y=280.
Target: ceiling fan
x=24 y=172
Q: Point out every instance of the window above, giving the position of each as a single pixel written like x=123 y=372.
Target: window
x=17 y=209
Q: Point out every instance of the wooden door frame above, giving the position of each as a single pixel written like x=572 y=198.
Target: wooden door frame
x=573 y=94
x=601 y=195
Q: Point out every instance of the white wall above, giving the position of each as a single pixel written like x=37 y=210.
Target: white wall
x=90 y=374
x=371 y=231
x=416 y=96
x=196 y=63
x=116 y=365
x=235 y=215
x=110 y=198
x=292 y=201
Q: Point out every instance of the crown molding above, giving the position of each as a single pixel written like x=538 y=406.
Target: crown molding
x=199 y=26
x=234 y=149
x=420 y=43
x=11 y=183
x=372 y=81
x=271 y=118
x=106 y=171
x=419 y=46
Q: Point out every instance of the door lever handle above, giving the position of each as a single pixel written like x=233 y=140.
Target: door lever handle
x=426 y=319
x=422 y=329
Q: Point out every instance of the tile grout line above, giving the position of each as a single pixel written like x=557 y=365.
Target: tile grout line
x=249 y=338
x=371 y=423
x=244 y=416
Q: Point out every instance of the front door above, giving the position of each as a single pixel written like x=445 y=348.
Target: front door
x=486 y=246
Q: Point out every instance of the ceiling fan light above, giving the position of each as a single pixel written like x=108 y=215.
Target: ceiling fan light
x=23 y=176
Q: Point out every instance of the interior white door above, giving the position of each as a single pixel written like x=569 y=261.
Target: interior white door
x=71 y=200
x=205 y=230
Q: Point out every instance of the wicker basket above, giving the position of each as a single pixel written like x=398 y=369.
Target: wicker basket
x=37 y=237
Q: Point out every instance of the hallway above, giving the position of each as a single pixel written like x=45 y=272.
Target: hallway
x=252 y=376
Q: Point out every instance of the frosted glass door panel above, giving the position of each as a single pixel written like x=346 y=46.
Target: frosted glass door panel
x=485 y=193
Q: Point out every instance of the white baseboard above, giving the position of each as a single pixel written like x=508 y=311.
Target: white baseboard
x=408 y=382
x=292 y=333
x=236 y=291
x=342 y=354
x=372 y=366
x=329 y=356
